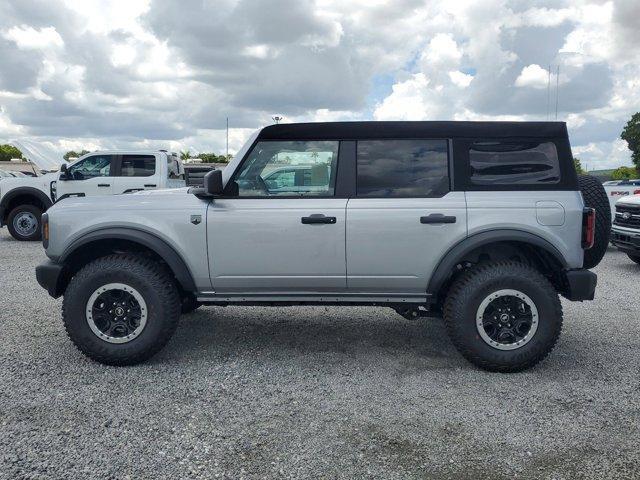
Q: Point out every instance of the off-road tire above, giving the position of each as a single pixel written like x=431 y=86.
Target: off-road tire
x=595 y=197
x=153 y=283
x=473 y=286
x=189 y=304
x=634 y=258
x=36 y=212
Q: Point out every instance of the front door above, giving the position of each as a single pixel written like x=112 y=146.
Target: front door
x=403 y=218
x=90 y=176
x=280 y=233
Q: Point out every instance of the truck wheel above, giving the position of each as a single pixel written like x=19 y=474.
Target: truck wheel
x=121 y=309
x=189 y=304
x=635 y=258
x=595 y=197
x=23 y=223
x=503 y=316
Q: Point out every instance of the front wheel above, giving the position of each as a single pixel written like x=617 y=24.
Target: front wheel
x=23 y=223
x=503 y=316
x=121 y=309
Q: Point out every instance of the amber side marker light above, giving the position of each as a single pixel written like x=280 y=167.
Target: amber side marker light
x=45 y=230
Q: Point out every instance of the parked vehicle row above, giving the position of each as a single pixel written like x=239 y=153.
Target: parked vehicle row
x=24 y=200
x=483 y=223
x=617 y=189
x=625 y=234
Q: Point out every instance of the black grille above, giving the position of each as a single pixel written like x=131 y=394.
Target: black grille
x=632 y=211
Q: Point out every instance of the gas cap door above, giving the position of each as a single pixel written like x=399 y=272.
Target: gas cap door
x=550 y=213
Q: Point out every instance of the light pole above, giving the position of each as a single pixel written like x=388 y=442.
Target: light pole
x=277 y=119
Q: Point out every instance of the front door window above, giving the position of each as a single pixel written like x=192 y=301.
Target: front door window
x=90 y=167
x=300 y=168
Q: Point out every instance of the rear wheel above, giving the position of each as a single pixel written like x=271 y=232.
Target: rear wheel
x=23 y=223
x=503 y=316
x=121 y=309
x=595 y=196
x=635 y=258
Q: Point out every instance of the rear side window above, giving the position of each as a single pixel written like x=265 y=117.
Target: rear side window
x=402 y=168
x=514 y=163
x=138 y=166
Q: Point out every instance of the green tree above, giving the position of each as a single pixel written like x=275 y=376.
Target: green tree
x=185 y=155
x=213 y=158
x=72 y=154
x=7 y=152
x=631 y=135
x=624 y=173
x=578 y=165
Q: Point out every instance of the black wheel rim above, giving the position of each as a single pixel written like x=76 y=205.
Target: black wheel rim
x=116 y=313
x=507 y=319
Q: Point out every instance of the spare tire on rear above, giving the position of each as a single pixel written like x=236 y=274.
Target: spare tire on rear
x=595 y=197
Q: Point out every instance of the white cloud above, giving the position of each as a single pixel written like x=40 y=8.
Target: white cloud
x=442 y=51
x=29 y=38
x=407 y=101
x=460 y=79
x=533 y=76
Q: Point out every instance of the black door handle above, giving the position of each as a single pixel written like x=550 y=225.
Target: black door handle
x=317 y=218
x=436 y=218
x=104 y=185
x=150 y=185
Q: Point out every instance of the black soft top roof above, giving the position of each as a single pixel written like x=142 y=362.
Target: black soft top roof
x=373 y=130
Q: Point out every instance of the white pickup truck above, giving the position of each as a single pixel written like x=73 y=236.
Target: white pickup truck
x=616 y=189
x=23 y=200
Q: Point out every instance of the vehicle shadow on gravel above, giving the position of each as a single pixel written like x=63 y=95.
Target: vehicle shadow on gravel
x=223 y=332
x=629 y=267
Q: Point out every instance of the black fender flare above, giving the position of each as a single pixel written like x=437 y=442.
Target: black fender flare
x=457 y=252
x=146 y=239
x=11 y=194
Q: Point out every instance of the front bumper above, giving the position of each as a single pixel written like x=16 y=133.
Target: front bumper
x=580 y=285
x=50 y=276
x=626 y=239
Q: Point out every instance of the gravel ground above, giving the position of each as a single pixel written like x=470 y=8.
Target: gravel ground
x=316 y=393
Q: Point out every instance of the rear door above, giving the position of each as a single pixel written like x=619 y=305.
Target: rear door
x=403 y=218
x=136 y=172
x=90 y=176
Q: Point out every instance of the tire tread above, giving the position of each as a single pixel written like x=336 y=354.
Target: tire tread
x=159 y=279
x=463 y=287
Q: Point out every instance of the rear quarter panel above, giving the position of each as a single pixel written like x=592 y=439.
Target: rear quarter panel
x=536 y=212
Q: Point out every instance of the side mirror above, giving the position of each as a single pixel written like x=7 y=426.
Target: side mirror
x=213 y=183
x=63 y=171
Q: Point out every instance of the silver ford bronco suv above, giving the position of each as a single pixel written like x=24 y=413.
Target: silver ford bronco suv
x=482 y=223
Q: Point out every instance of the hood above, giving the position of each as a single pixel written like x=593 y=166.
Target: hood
x=43 y=156
x=149 y=200
x=162 y=191
x=42 y=182
x=630 y=200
